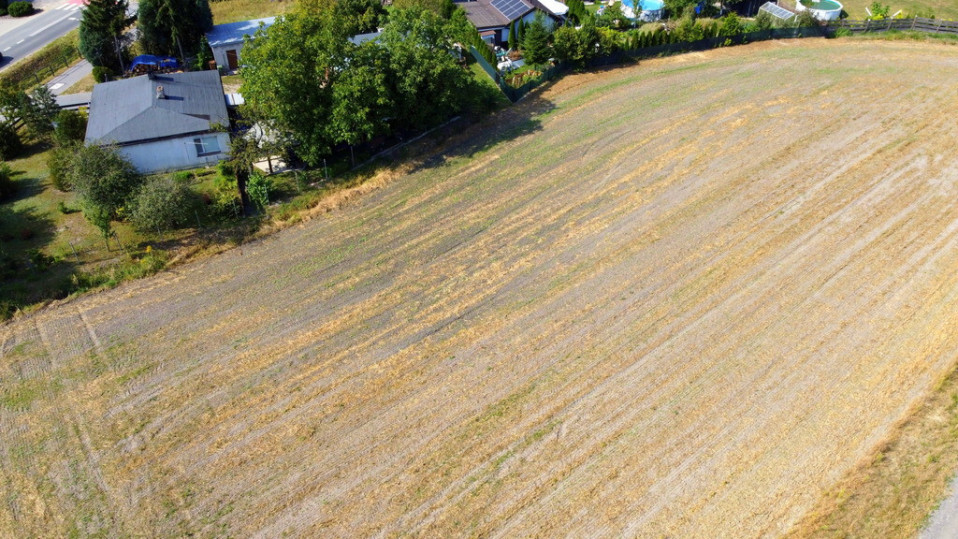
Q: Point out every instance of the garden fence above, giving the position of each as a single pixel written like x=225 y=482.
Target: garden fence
x=491 y=71
x=33 y=71
x=919 y=24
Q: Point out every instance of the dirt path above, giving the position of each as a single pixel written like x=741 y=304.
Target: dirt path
x=677 y=299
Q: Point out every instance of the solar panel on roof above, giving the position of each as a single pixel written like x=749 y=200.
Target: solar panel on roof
x=512 y=9
x=776 y=11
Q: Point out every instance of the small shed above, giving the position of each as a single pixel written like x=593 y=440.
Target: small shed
x=226 y=40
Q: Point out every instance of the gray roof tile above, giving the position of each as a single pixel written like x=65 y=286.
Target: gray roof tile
x=127 y=111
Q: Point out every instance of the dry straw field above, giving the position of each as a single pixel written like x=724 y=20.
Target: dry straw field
x=682 y=298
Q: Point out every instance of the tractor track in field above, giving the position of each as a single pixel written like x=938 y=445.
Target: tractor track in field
x=683 y=298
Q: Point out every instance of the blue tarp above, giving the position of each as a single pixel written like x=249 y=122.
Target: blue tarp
x=160 y=62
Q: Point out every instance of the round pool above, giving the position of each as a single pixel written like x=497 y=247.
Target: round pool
x=649 y=10
x=823 y=10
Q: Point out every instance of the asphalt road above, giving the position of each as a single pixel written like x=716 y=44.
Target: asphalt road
x=21 y=37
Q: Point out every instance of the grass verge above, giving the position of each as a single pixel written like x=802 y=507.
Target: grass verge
x=942 y=9
x=83 y=85
x=43 y=64
x=893 y=493
x=225 y=11
x=895 y=35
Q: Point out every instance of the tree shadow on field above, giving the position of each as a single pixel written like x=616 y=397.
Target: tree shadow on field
x=472 y=135
x=26 y=188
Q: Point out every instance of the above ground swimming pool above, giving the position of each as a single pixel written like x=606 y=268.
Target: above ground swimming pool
x=651 y=10
x=823 y=10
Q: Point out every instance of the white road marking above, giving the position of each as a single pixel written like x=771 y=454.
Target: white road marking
x=57 y=85
x=19 y=42
x=73 y=18
x=49 y=25
x=6 y=49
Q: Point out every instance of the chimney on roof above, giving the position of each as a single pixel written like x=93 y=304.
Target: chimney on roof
x=159 y=93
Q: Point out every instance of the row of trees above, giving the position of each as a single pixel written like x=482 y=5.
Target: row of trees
x=578 y=45
x=304 y=78
x=165 y=27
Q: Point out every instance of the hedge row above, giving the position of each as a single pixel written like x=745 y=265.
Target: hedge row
x=29 y=72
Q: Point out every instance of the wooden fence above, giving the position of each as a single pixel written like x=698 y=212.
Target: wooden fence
x=919 y=24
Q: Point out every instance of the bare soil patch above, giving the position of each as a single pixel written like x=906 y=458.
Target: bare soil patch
x=684 y=298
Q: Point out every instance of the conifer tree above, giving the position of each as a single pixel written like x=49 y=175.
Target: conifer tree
x=169 y=27
x=101 y=32
x=535 y=42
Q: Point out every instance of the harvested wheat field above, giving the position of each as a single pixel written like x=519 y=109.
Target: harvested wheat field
x=680 y=298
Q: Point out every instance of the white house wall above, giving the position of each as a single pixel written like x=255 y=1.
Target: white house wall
x=219 y=53
x=172 y=154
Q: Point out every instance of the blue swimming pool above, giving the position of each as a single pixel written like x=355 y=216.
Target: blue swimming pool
x=645 y=5
x=651 y=10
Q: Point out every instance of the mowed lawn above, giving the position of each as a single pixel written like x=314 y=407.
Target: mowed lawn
x=682 y=298
x=941 y=9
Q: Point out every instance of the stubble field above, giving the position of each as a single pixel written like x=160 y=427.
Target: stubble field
x=681 y=298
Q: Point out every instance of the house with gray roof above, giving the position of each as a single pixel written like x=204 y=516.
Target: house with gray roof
x=493 y=18
x=160 y=123
x=226 y=40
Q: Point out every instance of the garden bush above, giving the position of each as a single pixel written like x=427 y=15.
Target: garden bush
x=8 y=187
x=70 y=127
x=162 y=203
x=102 y=73
x=59 y=163
x=20 y=9
x=258 y=189
x=10 y=144
x=764 y=21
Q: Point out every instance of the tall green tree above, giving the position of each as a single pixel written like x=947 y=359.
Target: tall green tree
x=106 y=182
x=40 y=111
x=427 y=83
x=513 y=37
x=173 y=27
x=362 y=16
x=443 y=8
x=289 y=73
x=362 y=97
x=102 y=28
x=577 y=12
x=309 y=82
x=676 y=8
x=535 y=42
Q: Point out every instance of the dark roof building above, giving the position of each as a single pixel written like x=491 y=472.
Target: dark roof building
x=493 y=17
x=151 y=107
x=162 y=122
